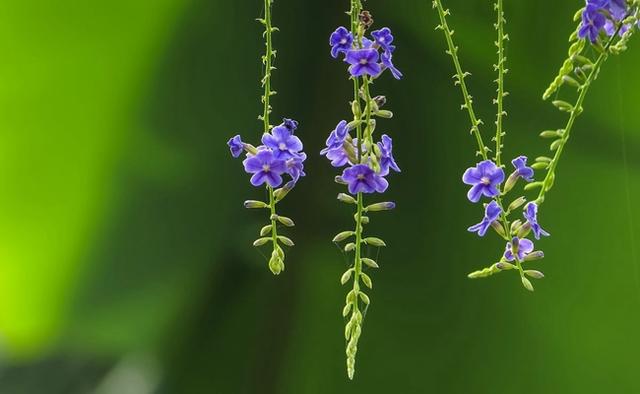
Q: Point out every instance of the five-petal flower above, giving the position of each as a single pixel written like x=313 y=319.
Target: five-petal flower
x=485 y=179
x=491 y=214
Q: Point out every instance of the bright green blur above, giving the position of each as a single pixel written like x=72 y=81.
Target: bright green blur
x=126 y=263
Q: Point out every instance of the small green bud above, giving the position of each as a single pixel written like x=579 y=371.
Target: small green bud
x=347 y=198
x=370 y=262
x=563 y=105
x=281 y=193
x=550 y=134
x=504 y=266
x=532 y=185
x=524 y=230
x=497 y=226
x=527 y=284
x=555 y=145
x=343 y=235
x=510 y=183
x=533 y=256
x=366 y=280
x=517 y=203
x=250 y=149
x=364 y=298
x=338 y=179
x=350 y=247
x=540 y=166
x=346 y=276
x=515 y=226
x=346 y=310
x=252 y=204
x=373 y=241
x=570 y=81
x=266 y=230
x=276 y=265
x=286 y=241
x=286 y=221
x=355 y=108
x=385 y=114
x=543 y=159
x=534 y=274
x=365 y=220
x=381 y=206
x=261 y=241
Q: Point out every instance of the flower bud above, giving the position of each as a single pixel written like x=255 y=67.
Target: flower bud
x=286 y=241
x=364 y=298
x=266 y=230
x=343 y=235
x=373 y=241
x=338 y=179
x=366 y=280
x=524 y=230
x=535 y=255
x=346 y=276
x=527 y=284
x=381 y=206
x=534 y=274
x=276 y=265
x=286 y=221
x=345 y=198
x=511 y=182
x=380 y=101
x=364 y=219
x=370 y=263
x=252 y=204
x=250 y=149
x=504 y=266
x=350 y=247
x=385 y=114
x=261 y=241
x=497 y=226
x=517 y=203
x=346 y=310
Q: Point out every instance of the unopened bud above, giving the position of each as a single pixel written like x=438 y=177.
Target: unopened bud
x=517 y=203
x=252 y=204
x=511 y=182
x=534 y=274
x=343 y=235
x=373 y=241
x=381 y=206
x=535 y=255
x=346 y=198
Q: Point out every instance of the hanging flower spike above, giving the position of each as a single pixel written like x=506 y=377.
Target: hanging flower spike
x=485 y=179
x=280 y=155
x=531 y=215
x=367 y=161
x=491 y=215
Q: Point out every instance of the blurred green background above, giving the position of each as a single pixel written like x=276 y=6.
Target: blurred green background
x=126 y=263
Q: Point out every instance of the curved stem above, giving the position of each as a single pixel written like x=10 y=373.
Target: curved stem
x=460 y=76
x=549 y=179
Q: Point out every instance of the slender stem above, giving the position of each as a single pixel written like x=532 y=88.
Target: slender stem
x=500 y=81
x=461 y=75
x=575 y=112
x=356 y=8
x=268 y=66
x=274 y=227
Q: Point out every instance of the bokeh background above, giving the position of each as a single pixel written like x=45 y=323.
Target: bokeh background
x=126 y=263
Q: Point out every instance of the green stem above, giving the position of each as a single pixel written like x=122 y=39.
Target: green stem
x=575 y=112
x=274 y=227
x=461 y=75
x=501 y=72
x=267 y=60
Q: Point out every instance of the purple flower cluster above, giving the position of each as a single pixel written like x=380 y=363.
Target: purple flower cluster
x=603 y=16
x=280 y=153
x=364 y=55
x=360 y=175
x=486 y=179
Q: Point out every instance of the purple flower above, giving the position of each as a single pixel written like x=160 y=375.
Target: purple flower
x=523 y=247
x=265 y=167
x=383 y=38
x=524 y=172
x=236 y=146
x=340 y=41
x=485 y=179
x=491 y=214
x=386 y=156
x=295 y=166
x=336 y=137
x=361 y=178
x=387 y=57
x=363 y=62
x=282 y=141
x=531 y=214
x=592 y=22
